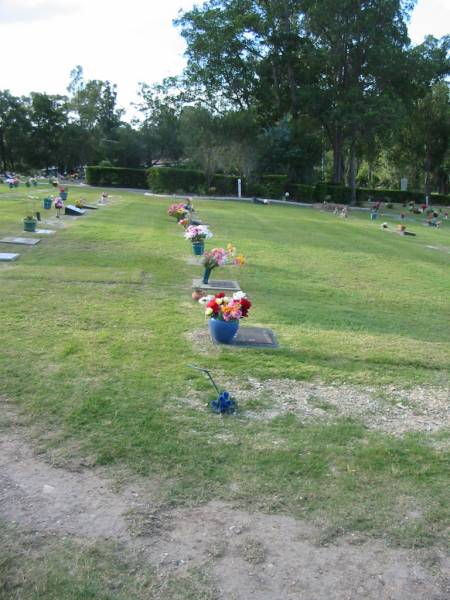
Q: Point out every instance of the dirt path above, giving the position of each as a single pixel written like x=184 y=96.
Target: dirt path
x=259 y=556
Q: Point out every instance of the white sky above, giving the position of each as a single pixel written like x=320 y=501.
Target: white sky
x=124 y=41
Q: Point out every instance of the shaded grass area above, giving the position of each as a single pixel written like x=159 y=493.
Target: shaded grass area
x=95 y=347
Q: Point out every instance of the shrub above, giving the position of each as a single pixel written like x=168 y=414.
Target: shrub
x=300 y=192
x=365 y=194
x=171 y=180
x=440 y=199
x=332 y=192
x=225 y=185
x=274 y=185
x=255 y=188
x=116 y=177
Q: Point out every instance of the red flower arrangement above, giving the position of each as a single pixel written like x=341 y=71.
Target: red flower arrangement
x=225 y=308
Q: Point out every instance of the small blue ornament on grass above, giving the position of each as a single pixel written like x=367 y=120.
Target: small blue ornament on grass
x=224 y=404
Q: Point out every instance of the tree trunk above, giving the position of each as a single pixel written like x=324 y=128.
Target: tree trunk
x=276 y=86
x=352 y=170
x=337 y=156
x=442 y=179
x=427 y=166
x=2 y=150
x=292 y=83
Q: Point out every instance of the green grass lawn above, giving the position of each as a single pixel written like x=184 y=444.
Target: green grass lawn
x=96 y=323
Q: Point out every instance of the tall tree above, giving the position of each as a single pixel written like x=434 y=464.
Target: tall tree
x=48 y=117
x=15 y=128
x=362 y=46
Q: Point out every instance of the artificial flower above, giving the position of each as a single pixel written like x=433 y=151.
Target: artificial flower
x=197 y=233
x=228 y=309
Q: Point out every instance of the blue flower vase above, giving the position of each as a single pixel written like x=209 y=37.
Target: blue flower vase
x=63 y=195
x=223 y=332
x=198 y=248
x=206 y=275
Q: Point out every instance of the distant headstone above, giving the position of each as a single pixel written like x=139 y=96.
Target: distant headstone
x=20 y=240
x=404 y=184
x=254 y=337
x=73 y=210
x=216 y=284
x=8 y=256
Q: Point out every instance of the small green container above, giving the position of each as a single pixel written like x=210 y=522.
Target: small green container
x=29 y=225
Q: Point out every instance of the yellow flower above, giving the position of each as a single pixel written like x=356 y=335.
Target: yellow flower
x=208 y=312
x=240 y=260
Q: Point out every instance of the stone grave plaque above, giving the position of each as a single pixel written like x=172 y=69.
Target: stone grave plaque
x=20 y=240
x=194 y=260
x=45 y=231
x=90 y=206
x=73 y=210
x=221 y=285
x=8 y=256
x=254 y=337
x=54 y=223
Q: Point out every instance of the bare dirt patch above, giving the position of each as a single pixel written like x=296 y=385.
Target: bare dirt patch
x=390 y=409
x=267 y=557
x=201 y=340
x=246 y=555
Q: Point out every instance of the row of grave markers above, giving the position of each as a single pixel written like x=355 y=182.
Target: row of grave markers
x=246 y=337
x=70 y=210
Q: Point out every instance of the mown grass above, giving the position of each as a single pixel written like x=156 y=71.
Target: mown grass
x=95 y=346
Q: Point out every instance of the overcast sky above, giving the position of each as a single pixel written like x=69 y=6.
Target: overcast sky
x=125 y=42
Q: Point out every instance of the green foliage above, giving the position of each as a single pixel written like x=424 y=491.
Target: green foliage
x=300 y=192
x=397 y=196
x=331 y=192
x=225 y=185
x=274 y=185
x=116 y=176
x=171 y=180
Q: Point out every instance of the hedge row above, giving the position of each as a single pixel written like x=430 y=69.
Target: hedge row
x=172 y=180
x=398 y=196
x=117 y=177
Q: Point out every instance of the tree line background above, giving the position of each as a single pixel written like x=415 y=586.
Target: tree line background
x=313 y=89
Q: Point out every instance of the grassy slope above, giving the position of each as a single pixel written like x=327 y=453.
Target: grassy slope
x=94 y=346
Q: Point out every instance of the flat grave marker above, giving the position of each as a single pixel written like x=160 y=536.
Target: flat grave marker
x=45 y=231
x=20 y=240
x=253 y=337
x=73 y=210
x=194 y=260
x=216 y=284
x=8 y=256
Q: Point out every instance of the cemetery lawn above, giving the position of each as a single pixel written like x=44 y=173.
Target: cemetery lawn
x=97 y=330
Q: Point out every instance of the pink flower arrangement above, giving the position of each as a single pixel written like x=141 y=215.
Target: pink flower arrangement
x=177 y=210
x=197 y=233
x=218 y=257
